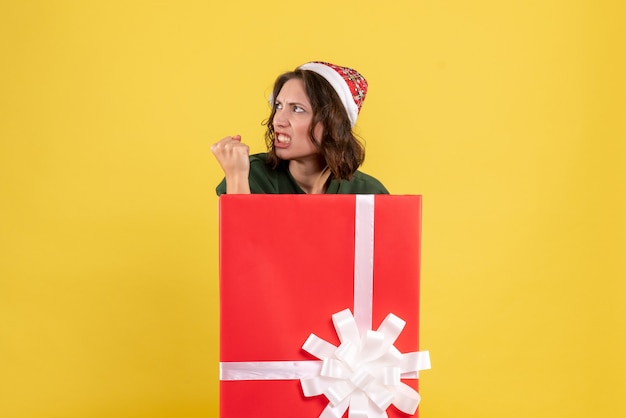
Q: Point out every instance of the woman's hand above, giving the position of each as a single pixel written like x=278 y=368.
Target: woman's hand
x=234 y=158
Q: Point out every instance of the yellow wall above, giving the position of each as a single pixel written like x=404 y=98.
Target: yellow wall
x=507 y=116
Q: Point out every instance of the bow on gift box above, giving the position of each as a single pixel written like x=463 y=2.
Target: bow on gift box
x=363 y=374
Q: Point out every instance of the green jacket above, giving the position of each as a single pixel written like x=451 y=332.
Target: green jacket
x=264 y=179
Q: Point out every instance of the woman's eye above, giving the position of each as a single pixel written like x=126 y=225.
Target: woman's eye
x=298 y=109
x=278 y=105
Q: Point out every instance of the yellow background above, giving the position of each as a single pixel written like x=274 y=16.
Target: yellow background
x=507 y=116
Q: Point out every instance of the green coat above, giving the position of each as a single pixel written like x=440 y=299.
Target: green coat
x=264 y=179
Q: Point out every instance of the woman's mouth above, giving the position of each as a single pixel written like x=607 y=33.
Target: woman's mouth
x=282 y=140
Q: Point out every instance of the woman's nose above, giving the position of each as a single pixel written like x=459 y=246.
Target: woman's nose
x=279 y=118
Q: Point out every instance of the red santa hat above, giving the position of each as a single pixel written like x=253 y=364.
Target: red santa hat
x=350 y=86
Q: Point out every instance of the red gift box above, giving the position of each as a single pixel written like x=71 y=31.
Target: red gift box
x=288 y=263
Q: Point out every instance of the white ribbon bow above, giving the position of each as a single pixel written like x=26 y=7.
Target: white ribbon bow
x=363 y=373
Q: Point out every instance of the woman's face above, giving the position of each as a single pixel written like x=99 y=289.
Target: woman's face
x=292 y=121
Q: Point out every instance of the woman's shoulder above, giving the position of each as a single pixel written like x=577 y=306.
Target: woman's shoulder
x=361 y=183
x=369 y=181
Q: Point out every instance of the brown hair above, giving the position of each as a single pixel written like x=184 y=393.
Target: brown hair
x=339 y=147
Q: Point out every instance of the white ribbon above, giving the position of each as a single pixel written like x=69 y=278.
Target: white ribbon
x=363 y=374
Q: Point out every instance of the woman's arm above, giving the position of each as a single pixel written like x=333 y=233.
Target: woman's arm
x=234 y=158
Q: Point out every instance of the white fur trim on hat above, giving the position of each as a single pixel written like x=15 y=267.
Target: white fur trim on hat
x=339 y=84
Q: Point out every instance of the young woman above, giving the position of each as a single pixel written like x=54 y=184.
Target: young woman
x=311 y=146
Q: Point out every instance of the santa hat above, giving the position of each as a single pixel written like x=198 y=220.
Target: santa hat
x=350 y=86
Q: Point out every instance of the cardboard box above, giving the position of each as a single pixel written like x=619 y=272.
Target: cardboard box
x=287 y=264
